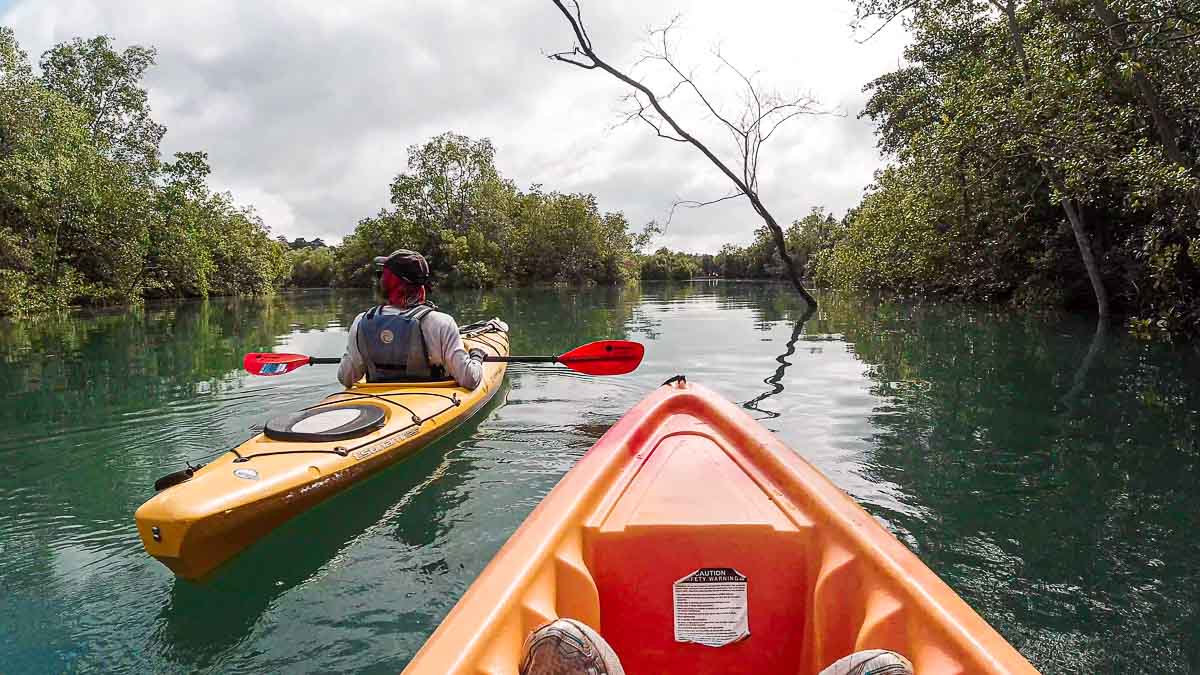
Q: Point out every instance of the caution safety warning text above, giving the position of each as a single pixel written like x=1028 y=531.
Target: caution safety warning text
x=710 y=607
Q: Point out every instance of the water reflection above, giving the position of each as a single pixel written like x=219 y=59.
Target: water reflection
x=776 y=379
x=1049 y=524
x=1094 y=349
x=408 y=504
x=1045 y=468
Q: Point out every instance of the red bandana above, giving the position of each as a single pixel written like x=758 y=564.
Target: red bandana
x=399 y=292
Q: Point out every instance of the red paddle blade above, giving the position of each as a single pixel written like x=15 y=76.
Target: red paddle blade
x=266 y=363
x=607 y=357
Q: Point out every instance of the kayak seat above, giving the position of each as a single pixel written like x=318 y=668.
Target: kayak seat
x=323 y=424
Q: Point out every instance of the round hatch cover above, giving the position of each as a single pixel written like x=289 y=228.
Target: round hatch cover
x=324 y=421
x=326 y=424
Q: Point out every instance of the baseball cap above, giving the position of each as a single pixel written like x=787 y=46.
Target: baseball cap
x=408 y=265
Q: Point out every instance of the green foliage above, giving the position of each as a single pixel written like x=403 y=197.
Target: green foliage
x=311 y=267
x=88 y=214
x=106 y=85
x=997 y=119
x=477 y=229
x=805 y=239
x=890 y=243
x=247 y=260
x=666 y=265
x=810 y=237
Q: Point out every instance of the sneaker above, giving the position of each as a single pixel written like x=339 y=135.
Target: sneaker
x=568 y=647
x=870 y=662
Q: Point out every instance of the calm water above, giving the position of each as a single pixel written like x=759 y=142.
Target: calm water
x=1049 y=476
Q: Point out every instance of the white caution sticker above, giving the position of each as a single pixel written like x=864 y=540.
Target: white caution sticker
x=710 y=607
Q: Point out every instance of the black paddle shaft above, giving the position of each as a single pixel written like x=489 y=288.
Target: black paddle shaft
x=319 y=361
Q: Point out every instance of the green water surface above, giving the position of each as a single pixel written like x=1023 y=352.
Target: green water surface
x=1047 y=473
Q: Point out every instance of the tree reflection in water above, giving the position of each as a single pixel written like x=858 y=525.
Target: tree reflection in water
x=775 y=380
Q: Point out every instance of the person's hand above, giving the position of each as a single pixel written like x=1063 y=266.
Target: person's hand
x=477 y=354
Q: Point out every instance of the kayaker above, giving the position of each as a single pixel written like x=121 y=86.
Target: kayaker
x=407 y=338
x=570 y=647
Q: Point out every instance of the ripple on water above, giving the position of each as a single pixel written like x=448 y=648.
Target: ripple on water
x=1063 y=512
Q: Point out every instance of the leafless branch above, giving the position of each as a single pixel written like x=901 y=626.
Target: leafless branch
x=640 y=112
x=760 y=109
x=692 y=204
x=658 y=128
x=664 y=55
x=888 y=20
x=571 y=58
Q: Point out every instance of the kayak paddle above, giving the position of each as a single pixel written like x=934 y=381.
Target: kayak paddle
x=606 y=357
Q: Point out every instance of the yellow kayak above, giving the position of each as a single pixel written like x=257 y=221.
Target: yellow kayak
x=302 y=459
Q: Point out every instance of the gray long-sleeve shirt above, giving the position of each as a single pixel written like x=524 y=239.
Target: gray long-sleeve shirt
x=442 y=342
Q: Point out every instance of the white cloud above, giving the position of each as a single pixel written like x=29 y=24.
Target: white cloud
x=272 y=208
x=306 y=108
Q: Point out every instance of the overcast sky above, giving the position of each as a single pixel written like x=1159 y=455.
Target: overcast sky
x=306 y=109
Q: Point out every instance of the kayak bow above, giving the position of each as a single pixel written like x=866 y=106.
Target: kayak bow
x=696 y=542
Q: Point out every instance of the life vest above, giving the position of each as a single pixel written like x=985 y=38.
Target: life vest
x=393 y=346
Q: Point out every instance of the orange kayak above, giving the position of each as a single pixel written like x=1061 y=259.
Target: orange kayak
x=694 y=541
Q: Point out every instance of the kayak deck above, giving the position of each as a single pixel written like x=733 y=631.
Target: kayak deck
x=687 y=482
x=240 y=497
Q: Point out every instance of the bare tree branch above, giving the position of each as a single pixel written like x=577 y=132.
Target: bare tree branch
x=692 y=204
x=571 y=58
x=780 y=122
x=640 y=113
x=748 y=132
x=584 y=38
x=888 y=20
x=665 y=57
x=658 y=129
